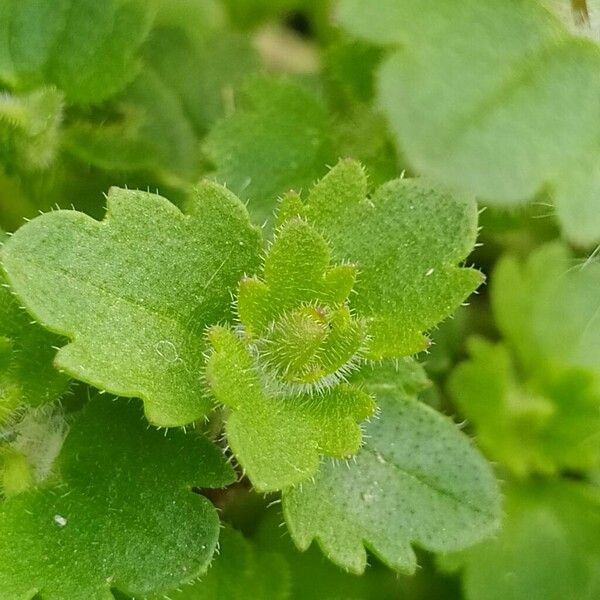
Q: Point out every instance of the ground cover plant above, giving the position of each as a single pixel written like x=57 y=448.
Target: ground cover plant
x=299 y=299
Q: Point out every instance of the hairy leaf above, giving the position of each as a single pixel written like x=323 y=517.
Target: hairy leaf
x=313 y=576
x=297 y=317
x=101 y=527
x=276 y=140
x=417 y=480
x=276 y=436
x=27 y=375
x=505 y=106
x=134 y=292
x=406 y=241
x=240 y=571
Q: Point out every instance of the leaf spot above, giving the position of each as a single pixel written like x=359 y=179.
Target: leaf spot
x=166 y=350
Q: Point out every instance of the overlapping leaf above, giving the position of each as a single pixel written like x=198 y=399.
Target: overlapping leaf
x=135 y=291
x=27 y=375
x=313 y=576
x=297 y=316
x=277 y=139
x=548 y=308
x=407 y=241
x=155 y=124
x=87 y=49
x=278 y=437
x=240 y=571
x=417 y=480
x=489 y=109
x=536 y=424
x=124 y=515
x=283 y=372
x=539 y=409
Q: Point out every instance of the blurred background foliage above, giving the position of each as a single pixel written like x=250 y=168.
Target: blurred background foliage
x=263 y=95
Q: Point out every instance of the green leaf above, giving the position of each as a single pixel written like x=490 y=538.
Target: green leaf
x=297 y=317
x=406 y=241
x=505 y=107
x=27 y=375
x=205 y=74
x=86 y=48
x=277 y=436
x=547 y=308
x=540 y=424
x=417 y=480
x=277 y=139
x=155 y=123
x=151 y=132
x=134 y=292
x=30 y=447
x=548 y=548
x=32 y=122
x=240 y=571
x=312 y=576
x=101 y=527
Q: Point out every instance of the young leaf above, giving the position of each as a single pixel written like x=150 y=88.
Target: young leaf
x=548 y=548
x=487 y=110
x=278 y=437
x=124 y=516
x=278 y=139
x=87 y=49
x=406 y=241
x=417 y=480
x=134 y=292
x=241 y=571
x=543 y=424
x=297 y=317
x=26 y=353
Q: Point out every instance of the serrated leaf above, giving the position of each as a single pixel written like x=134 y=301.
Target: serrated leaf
x=277 y=139
x=276 y=436
x=86 y=48
x=124 y=515
x=312 y=576
x=406 y=240
x=548 y=548
x=417 y=480
x=487 y=110
x=297 y=316
x=240 y=571
x=27 y=375
x=135 y=291
x=539 y=424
